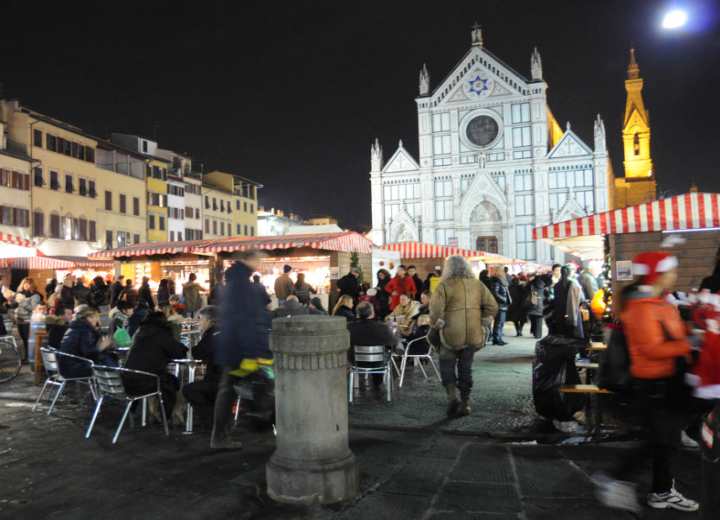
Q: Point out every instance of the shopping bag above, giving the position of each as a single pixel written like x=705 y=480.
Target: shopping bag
x=122 y=338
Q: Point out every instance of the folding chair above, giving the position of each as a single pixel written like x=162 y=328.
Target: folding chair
x=110 y=385
x=57 y=379
x=417 y=359
x=375 y=360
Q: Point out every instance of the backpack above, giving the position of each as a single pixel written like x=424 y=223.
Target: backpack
x=614 y=373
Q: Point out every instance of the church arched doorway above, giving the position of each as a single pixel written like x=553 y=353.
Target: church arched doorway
x=489 y=244
x=486 y=227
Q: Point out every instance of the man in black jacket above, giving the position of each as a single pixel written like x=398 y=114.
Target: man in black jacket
x=412 y=273
x=349 y=284
x=501 y=292
x=368 y=332
x=145 y=294
x=115 y=290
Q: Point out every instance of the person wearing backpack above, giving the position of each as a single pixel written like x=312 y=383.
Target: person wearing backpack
x=656 y=340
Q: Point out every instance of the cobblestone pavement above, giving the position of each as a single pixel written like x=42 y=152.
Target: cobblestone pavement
x=413 y=465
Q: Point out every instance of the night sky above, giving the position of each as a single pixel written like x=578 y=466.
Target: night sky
x=292 y=94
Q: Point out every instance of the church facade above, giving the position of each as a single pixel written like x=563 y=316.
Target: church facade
x=493 y=163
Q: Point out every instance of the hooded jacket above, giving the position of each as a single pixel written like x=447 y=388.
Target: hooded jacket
x=655 y=335
x=501 y=291
x=79 y=340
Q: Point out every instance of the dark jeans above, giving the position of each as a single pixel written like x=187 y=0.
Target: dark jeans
x=24 y=332
x=201 y=395
x=224 y=400
x=519 y=324
x=140 y=385
x=456 y=369
x=536 y=326
x=499 y=325
x=662 y=427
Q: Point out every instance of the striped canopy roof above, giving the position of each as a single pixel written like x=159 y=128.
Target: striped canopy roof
x=422 y=250
x=36 y=262
x=9 y=238
x=688 y=211
x=346 y=241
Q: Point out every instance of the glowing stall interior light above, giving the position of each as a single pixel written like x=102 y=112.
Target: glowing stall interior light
x=674 y=19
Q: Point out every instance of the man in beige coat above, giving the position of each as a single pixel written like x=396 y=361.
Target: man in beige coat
x=459 y=306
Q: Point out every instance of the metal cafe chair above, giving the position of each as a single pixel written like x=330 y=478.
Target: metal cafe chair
x=367 y=361
x=55 y=378
x=110 y=385
x=416 y=358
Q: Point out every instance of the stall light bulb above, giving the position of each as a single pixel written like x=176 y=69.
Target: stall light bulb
x=674 y=19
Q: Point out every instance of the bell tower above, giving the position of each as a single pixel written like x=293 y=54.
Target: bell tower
x=638 y=183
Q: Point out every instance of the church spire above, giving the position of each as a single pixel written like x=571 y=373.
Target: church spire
x=633 y=70
x=424 y=81
x=536 y=65
x=476 y=35
x=376 y=156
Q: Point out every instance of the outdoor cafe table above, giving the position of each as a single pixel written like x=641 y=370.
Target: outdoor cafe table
x=185 y=370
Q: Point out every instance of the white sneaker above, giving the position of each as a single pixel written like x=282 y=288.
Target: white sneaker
x=616 y=494
x=688 y=442
x=671 y=500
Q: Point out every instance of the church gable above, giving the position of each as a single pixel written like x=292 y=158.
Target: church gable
x=569 y=146
x=401 y=161
x=479 y=75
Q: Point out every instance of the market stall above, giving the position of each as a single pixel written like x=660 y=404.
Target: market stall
x=323 y=258
x=688 y=225
x=425 y=257
x=39 y=268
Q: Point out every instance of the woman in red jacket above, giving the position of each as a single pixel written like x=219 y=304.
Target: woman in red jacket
x=400 y=284
x=656 y=340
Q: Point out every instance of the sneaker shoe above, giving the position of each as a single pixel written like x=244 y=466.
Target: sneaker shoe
x=671 y=500
x=688 y=442
x=616 y=494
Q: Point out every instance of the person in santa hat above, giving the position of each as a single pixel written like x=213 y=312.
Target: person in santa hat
x=656 y=337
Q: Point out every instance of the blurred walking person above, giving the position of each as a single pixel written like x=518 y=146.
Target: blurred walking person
x=501 y=291
x=458 y=307
x=657 y=345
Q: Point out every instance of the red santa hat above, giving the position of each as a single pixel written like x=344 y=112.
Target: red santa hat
x=649 y=266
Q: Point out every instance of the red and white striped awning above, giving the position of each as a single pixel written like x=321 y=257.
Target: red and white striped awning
x=9 y=238
x=688 y=211
x=148 y=249
x=80 y=262
x=410 y=250
x=35 y=262
x=346 y=241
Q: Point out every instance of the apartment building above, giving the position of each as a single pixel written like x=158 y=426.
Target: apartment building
x=15 y=202
x=244 y=200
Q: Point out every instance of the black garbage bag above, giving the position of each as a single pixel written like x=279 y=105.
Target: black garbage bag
x=554 y=366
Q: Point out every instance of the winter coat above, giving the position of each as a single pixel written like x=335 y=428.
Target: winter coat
x=80 y=339
x=655 y=336
x=566 y=319
x=346 y=313
x=290 y=308
x=130 y=295
x=383 y=298
x=418 y=287
x=244 y=319
x=284 y=286
x=466 y=306
x=26 y=305
x=205 y=351
x=535 y=297
x=398 y=286
x=145 y=295
x=501 y=292
x=154 y=347
x=56 y=328
x=368 y=333
x=115 y=289
x=191 y=295
x=81 y=294
x=589 y=285
x=349 y=285
x=163 y=296
x=303 y=292
x=404 y=316
x=99 y=295
x=517 y=310
x=67 y=297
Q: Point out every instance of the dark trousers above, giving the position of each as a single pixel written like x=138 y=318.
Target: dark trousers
x=536 y=326
x=201 y=395
x=137 y=385
x=24 y=331
x=662 y=426
x=224 y=400
x=499 y=325
x=519 y=324
x=456 y=369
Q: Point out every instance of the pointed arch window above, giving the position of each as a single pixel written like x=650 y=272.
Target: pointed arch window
x=636 y=144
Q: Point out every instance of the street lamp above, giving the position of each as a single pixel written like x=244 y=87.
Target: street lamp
x=674 y=19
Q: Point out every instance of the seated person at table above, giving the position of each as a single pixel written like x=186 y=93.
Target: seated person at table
x=424 y=303
x=174 y=319
x=154 y=347
x=201 y=394
x=120 y=316
x=174 y=301
x=403 y=314
x=57 y=324
x=316 y=307
x=83 y=339
x=290 y=307
x=421 y=330
x=344 y=307
x=368 y=332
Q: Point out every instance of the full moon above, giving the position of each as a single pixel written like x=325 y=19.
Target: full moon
x=674 y=19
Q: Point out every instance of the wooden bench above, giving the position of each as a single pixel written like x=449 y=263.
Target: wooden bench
x=593 y=413
x=584 y=389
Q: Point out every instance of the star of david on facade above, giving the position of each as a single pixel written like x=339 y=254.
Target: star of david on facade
x=478 y=85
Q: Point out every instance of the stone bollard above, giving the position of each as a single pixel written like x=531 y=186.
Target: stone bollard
x=312 y=462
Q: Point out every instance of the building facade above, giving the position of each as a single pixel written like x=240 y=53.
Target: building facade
x=638 y=183
x=15 y=186
x=243 y=203
x=493 y=163
x=193 y=206
x=275 y=222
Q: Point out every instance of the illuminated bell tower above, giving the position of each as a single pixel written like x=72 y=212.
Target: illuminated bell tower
x=638 y=184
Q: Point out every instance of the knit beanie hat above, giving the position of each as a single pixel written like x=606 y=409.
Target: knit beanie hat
x=649 y=266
